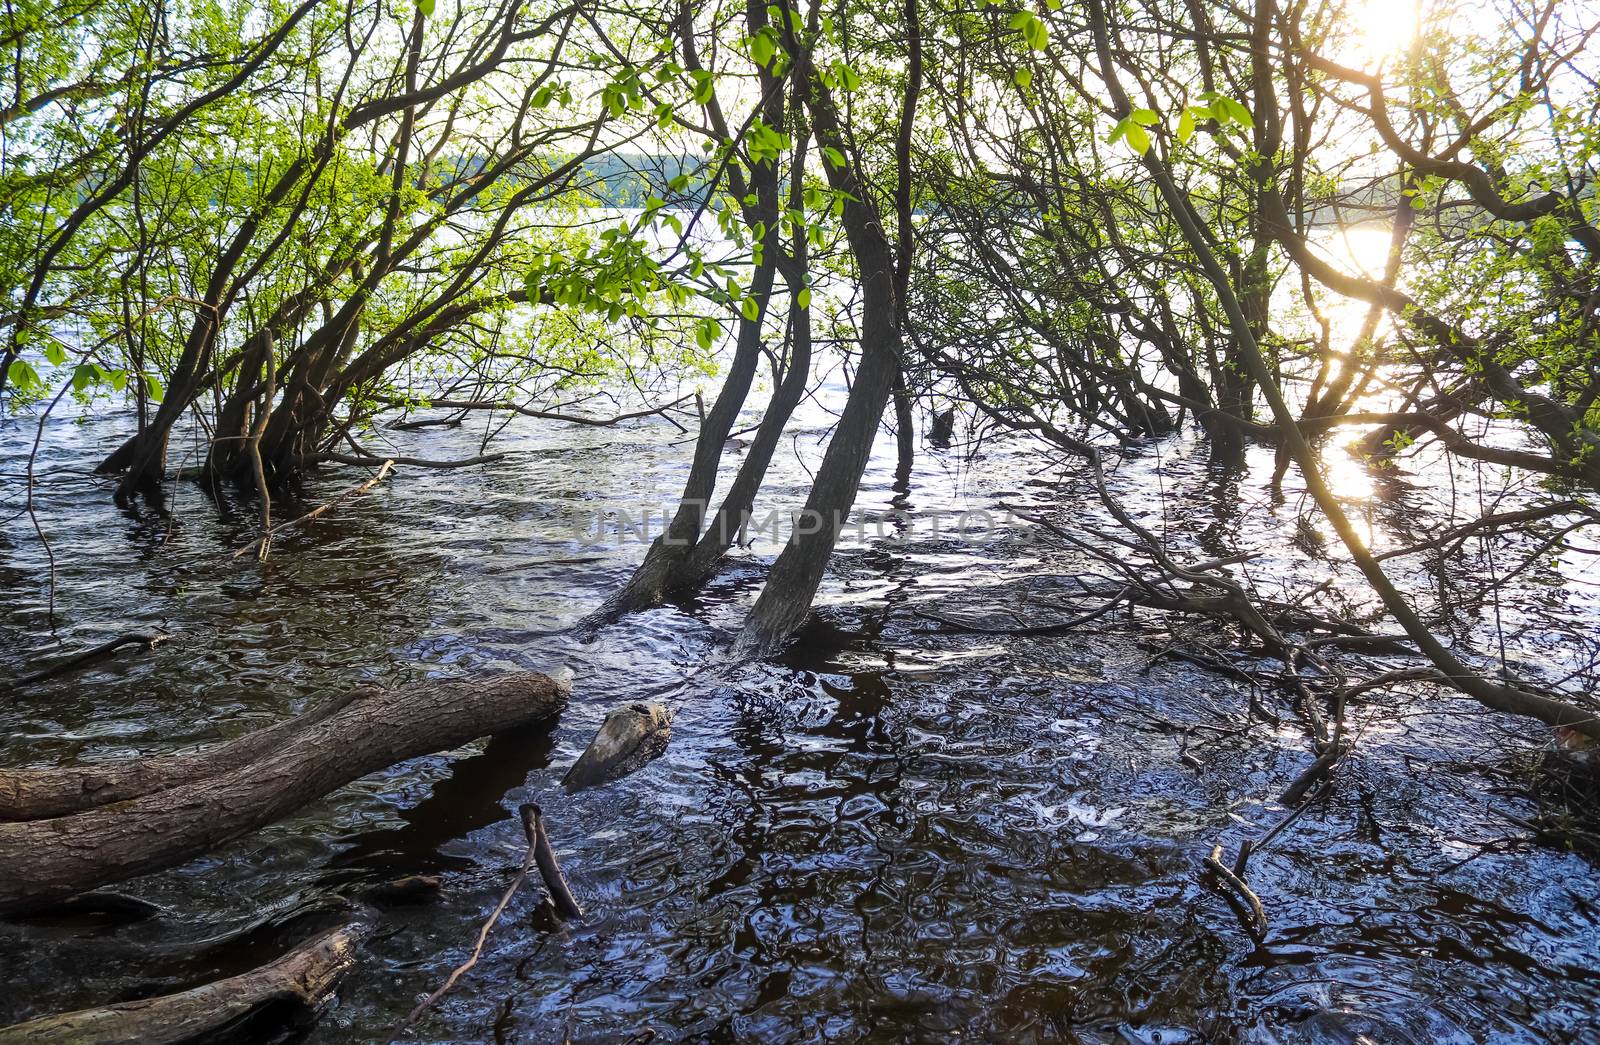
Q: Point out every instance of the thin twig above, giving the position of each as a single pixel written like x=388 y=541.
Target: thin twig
x=145 y=639
x=530 y=827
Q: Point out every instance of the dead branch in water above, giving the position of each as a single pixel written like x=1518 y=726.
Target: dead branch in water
x=406 y=462
x=301 y=982
x=262 y=543
x=539 y=852
x=147 y=640
x=545 y=415
x=554 y=881
x=1245 y=903
x=488 y=925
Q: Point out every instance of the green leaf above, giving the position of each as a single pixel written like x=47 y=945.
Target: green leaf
x=83 y=375
x=1186 y=126
x=704 y=86
x=55 y=354
x=803 y=299
x=22 y=375
x=426 y=7
x=762 y=48
x=1033 y=30
x=750 y=309
x=1022 y=78
x=1144 y=117
x=834 y=156
x=1138 y=139
x=705 y=333
x=1226 y=110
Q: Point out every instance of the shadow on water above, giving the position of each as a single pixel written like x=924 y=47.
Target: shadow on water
x=468 y=797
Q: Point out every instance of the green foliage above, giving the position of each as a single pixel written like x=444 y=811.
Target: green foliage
x=1131 y=129
x=1032 y=28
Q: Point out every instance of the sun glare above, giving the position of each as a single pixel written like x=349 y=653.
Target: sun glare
x=1383 y=29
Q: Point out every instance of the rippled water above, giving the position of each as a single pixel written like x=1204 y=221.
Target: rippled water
x=895 y=833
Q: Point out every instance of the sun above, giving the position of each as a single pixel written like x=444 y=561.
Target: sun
x=1383 y=29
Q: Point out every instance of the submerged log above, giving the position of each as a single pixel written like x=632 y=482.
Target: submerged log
x=49 y=860
x=630 y=736
x=147 y=640
x=296 y=988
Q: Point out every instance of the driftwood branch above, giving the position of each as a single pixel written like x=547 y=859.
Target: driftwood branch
x=1245 y=903
x=49 y=860
x=407 y=462
x=555 y=882
x=301 y=982
x=483 y=933
x=546 y=415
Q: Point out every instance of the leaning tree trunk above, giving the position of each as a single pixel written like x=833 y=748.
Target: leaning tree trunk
x=795 y=577
x=49 y=860
x=297 y=986
x=664 y=559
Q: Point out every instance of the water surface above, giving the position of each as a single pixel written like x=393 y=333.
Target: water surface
x=894 y=833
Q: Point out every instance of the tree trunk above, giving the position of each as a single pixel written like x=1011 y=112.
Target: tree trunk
x=664 y=560
x=795 y=577
x=49 y=860
x=786 y=598
x=905 y=433
x=43 y=794
x=736 y=507
x=296 y=986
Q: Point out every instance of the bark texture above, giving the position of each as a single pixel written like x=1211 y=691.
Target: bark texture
x=49 y=860
x=42 y=794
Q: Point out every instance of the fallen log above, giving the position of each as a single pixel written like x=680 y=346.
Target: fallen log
x=49 y=860
x=297 y=987
x=41 y=794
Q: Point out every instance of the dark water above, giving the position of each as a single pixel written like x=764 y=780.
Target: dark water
x=897 y=833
